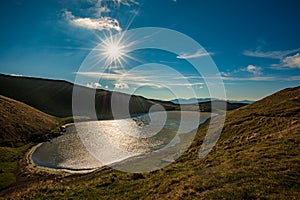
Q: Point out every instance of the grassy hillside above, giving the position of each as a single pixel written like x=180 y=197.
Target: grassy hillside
x=257 y=156
x=54 y=97
x=21 y=126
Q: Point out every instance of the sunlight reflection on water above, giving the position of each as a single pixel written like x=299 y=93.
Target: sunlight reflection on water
x=129 y=137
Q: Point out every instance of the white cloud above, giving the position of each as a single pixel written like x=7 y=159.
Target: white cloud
x=197 y=54
x=93 y=85
x=97 y=85
x=17 y=75
x=270 y=54
x=121 y=85
x=255 y=70
x=101 y=23
x=292 y=61
x=90 y=85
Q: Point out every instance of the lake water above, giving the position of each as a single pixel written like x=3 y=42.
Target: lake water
x=90 y=145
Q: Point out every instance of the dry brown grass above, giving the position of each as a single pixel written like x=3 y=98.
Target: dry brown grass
x=21 y=123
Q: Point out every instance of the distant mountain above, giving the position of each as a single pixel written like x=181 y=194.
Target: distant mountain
x=200 y=100
x=190 y=101
x=241 y=101
x=54 y=97
x=218 y=106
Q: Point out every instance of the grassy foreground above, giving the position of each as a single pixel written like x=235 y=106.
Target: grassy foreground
x=8 y=162
x=257 y=156
x=21 y=127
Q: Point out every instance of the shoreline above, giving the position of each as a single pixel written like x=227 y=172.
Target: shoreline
x=36 y=167
x=30 y=165
x=33 y=166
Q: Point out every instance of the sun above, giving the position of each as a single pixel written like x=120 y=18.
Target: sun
x=114 y=51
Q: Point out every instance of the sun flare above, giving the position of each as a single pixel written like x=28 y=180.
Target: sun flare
x=113 y=51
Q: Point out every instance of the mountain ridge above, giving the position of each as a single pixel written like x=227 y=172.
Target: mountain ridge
x=54 y=97
x=202 y=100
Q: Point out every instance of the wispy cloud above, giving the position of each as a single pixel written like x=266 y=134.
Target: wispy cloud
x=143 y=78
x=197 y=54
x=98 y=11
x=270 y=54
x=127 y=2
x=262 y=78
x=109 y=76
x=287 y=60
x=256 y=73
x=113 y=3
x=101 y=23
x=252 y=69
x=292 y=61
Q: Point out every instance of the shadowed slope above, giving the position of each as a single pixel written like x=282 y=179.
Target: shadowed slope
x=21 y=123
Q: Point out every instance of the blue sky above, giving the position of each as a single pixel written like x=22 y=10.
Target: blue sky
x=254 y=44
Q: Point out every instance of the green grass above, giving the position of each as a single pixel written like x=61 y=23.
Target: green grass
x=21 y=127
x=8 y=162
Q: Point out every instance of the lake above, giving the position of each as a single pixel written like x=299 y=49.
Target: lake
x=92 y=144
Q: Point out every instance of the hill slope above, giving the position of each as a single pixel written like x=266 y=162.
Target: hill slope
x=257 y=156
x=21 y=123
x=20 y=126
x=54 y=97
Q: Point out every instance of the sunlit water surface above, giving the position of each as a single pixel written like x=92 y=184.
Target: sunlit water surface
x=128 y=137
